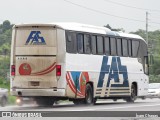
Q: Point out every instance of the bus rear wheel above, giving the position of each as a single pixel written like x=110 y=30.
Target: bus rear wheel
x=78 y=101
x=133 y=96
x=45 y=102
x=89 y=99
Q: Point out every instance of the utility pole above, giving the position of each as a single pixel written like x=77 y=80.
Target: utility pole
x=147 y=27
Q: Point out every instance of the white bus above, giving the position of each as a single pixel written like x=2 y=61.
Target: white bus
x=78 y=62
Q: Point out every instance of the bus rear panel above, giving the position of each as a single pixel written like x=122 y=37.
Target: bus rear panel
x=34 y=67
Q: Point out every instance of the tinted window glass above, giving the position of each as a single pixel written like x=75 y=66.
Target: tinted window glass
x=87 y=44
x=94 y=46
x=113 y=46
x=80 y=43
x=130 y=47
x=135 y=46
x=125 y=47
x=100 y=45
x=71 y=45
x=106 y=46
x=119 y=47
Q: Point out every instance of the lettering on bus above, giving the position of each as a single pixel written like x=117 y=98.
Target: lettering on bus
x=35 y=39
x=114 y=71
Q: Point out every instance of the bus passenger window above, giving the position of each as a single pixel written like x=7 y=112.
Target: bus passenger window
x=80 y=43
x=100 y=45
x=87 y=44
x=135 y=46
x=71 y=46
x=130 y=48
x=94 y=46
x=125 y=47
x=107 y=46
x=119 y=47
x=113 y=46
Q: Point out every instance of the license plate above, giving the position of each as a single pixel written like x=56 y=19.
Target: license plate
x=34 y=83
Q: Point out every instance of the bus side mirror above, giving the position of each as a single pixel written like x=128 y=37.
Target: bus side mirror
x=146 y=66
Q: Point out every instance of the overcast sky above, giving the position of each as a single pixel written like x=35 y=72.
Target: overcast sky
x=94 y=12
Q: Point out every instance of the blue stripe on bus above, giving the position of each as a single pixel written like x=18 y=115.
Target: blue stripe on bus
x=75 y=77
x=104 y=70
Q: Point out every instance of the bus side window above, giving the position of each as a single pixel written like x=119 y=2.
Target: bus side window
x=107 y=46
x=135 y=46
x=125 y=47
x=87 y=44
x=71 y=46
x=100 y=45
x=130 y=48
x=94 y=46
x=113 y=46
x=80 y=44
x=119 y=47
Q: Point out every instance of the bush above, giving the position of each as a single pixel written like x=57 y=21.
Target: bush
x=154 y=78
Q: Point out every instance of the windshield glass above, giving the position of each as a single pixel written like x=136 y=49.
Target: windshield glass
x=154 y=85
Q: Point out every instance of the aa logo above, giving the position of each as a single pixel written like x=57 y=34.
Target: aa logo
x=35 y=39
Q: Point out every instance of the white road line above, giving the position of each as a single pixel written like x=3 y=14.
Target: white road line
x=94 y=109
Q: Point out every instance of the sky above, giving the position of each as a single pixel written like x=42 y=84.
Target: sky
x=127 y=14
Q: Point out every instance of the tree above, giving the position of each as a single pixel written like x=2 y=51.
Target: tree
x=5 y=49
x=6 y=25
x=113 y=29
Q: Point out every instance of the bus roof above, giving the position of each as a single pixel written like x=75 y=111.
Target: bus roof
x=121 y=34
x=85 y=28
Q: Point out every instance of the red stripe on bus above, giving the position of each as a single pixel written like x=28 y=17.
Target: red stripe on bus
x=45 y=69
x=71 y=85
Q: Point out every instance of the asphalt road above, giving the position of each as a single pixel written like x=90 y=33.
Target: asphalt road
x=102 y=108
x=101 y=105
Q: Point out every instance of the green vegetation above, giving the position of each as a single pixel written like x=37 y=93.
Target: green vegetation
x=11 y=100
x=5 y=45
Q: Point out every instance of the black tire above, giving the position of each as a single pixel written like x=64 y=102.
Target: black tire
x=133 y=96
x=78 y=101
x=45 y=102
x=3 y=101
x=144 y=97
x=114 y=100
x=89 y=95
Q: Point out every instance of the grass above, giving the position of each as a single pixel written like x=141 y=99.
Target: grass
x=11 y=100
